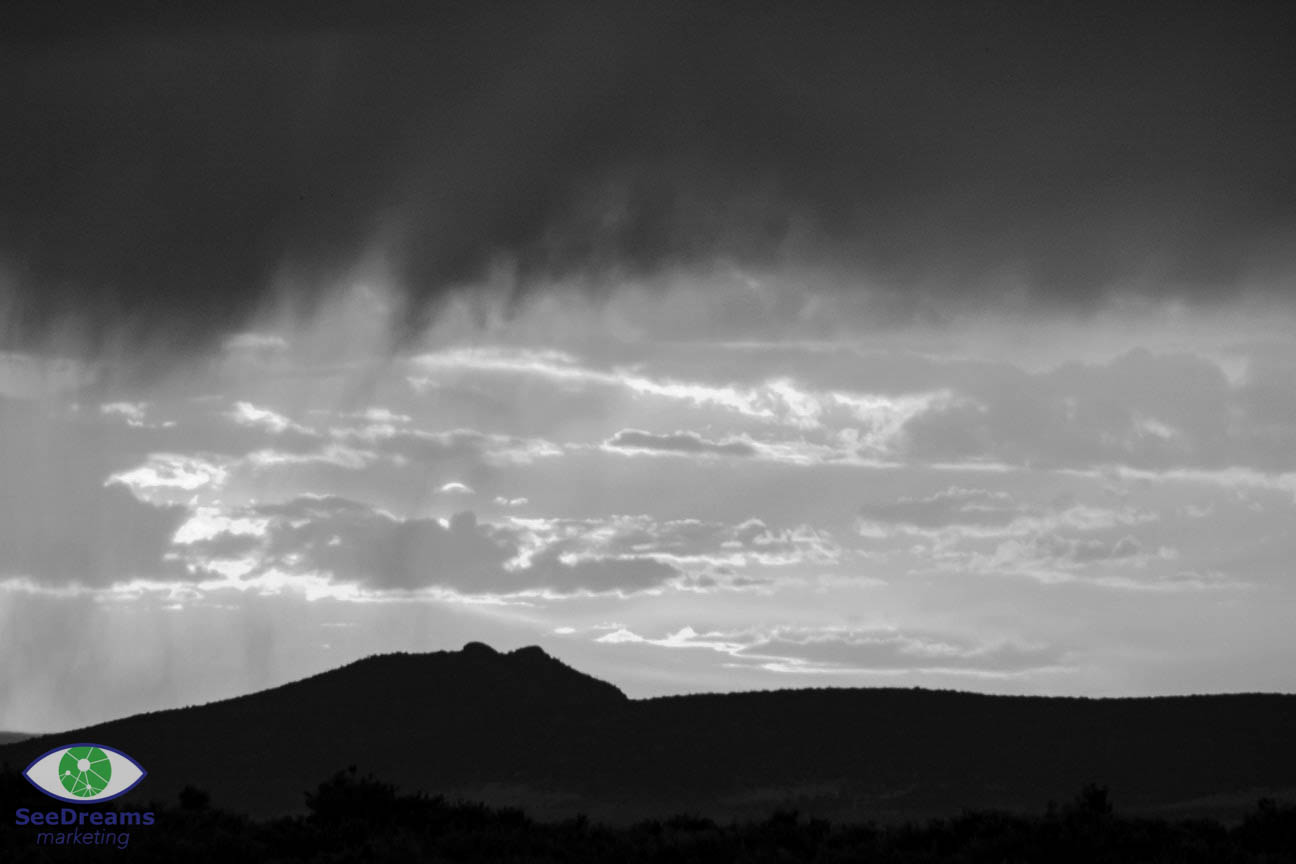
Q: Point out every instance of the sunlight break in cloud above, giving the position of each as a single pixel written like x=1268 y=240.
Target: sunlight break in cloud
x=170 y=471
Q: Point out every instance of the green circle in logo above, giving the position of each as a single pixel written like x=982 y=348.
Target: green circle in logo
x=85 y=771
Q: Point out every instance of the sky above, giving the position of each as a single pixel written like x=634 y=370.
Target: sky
x=717 y=347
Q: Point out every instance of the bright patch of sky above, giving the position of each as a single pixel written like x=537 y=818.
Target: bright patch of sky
x=668 y=495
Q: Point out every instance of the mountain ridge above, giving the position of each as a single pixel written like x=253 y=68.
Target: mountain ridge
x=524 y=729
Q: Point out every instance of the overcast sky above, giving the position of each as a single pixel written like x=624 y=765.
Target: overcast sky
x=709 y=347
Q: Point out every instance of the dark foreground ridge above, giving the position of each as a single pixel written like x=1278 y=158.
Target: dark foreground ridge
x=354 y=818
x=521 y=729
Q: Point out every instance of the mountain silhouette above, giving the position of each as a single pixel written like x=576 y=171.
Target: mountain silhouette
x=523 y=729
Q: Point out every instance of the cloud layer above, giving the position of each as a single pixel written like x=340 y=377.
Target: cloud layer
x=164 y=174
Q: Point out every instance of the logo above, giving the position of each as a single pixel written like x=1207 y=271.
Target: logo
x=84 y=773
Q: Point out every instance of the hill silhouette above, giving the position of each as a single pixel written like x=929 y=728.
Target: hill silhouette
x=523 y=729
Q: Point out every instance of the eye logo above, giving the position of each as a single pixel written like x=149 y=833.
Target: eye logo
x=84 y=773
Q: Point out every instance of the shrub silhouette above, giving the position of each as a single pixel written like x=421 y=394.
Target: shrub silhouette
x=1093 y=802
x=347 y=797
x=355 y=817
x=193 y=798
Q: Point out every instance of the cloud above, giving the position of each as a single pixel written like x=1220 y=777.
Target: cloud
x=548 y=571
x=854 y=650
x=1107 y=561
x=134 y=413
x=678 y=442
x=335 y=455
x=776 y=418
x=890 y=651
x=450 y=447
x=938 y=150
x=959 y=512
x=702 y=548
x=768 y=402
x=953 y=506
x=247 y=414
x=962 y=530
x=1140 y=409
x=350 y=542
x=1083 y=550
x=171 y=471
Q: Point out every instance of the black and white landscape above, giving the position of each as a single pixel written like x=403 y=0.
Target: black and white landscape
x=524 y=730
x=830 y=349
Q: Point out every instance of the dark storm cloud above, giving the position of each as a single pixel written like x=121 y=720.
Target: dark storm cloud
x=164 y=169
